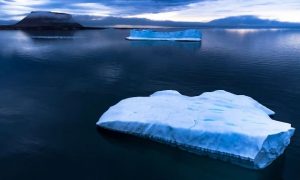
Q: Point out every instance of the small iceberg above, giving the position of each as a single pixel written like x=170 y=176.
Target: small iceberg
x=219 y=124
x=186 y=35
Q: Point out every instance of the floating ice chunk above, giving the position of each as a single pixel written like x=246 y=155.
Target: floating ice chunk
x=186 y=35
x=219 y=124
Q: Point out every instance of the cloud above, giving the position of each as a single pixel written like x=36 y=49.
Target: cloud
x=25 y=3
x=17 y=9
x=93 y=9
x=209 y=10
x=176 y=10
x=148 y=6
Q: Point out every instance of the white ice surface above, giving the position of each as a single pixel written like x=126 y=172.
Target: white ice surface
x=186 y=35
x=220 y=124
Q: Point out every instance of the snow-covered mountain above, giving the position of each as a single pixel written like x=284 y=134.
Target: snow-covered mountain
x=48 y=20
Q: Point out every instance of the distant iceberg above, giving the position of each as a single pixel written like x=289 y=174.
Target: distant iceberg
x=186 y=35
x=219 y=124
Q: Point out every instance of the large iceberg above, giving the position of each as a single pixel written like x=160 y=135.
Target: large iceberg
x=219 y=124
x=186 y=35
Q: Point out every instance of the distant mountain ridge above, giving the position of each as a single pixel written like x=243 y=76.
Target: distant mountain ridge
x=250 y=20
x=119 y=21
x=234 y=21
x=52 y=20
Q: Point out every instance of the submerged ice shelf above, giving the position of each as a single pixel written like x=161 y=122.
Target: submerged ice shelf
x=186 y=35
x=219 y=124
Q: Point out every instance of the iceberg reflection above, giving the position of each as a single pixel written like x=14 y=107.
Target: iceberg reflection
x=51 y=34
x=182 y=45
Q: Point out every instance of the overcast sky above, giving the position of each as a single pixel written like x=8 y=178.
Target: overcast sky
x=176 y=10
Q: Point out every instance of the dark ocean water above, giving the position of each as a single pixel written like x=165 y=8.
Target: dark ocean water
x=54 y=86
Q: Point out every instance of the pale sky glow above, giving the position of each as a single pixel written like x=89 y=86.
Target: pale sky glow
x=175 y=10
x=210 y=10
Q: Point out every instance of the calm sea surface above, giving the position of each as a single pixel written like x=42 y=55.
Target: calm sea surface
x=54 y=86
